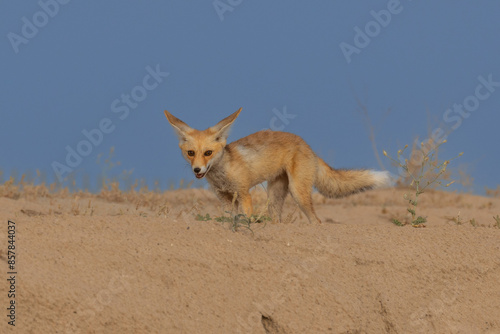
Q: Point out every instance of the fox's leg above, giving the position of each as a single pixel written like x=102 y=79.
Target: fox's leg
x=277 y=190
x=245 y=200
x=300 y=184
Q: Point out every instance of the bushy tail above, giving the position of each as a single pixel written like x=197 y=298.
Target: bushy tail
x=339 y=182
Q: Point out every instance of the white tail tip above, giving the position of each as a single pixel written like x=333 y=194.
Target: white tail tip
x=382 y=179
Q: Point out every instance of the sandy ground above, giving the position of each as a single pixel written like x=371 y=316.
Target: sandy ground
x=143 y=264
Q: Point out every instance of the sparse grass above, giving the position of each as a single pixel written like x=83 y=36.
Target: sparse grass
x=90 y=209
x=424 y=171
x=236 y=221
x=473 y=222
x=291 y=217
x=164 y=210
x=497 y=221
x=487 y=205
x=161 y=203
x=493 y=192
x=75 y=207
x=150 y=202
x=457 y=220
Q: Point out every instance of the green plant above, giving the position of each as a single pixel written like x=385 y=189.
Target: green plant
x=236 y=221
x=397 y=222
x=203 y=218
x=241 y=220
x=424 y=171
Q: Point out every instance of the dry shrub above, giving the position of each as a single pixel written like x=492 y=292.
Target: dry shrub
x=493 y=192
x=425 y=171
x=111 y=192
x=9 y=189
x=120 y=189
x=415 y=167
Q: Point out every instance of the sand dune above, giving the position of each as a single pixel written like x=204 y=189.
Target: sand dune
x=140 y=263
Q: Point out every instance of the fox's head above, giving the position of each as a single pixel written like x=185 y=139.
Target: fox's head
x=202 y=148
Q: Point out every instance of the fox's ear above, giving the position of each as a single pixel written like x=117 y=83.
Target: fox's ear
x=222 y=128
x=181 y=128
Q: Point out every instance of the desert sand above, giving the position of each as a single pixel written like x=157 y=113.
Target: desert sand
x=141 y=263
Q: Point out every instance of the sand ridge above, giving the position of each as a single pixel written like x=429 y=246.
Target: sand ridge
x=141 y=263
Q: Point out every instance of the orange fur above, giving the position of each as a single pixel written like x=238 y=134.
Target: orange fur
x=282 y=159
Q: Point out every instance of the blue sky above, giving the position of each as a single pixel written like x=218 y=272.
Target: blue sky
x=73 y=66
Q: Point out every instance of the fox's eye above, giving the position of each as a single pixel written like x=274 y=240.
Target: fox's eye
x=208 y=153
x=191 y=153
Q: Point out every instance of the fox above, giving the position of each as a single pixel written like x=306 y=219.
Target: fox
x=283 y=159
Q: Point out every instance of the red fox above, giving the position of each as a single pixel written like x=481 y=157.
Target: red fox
x=282 y=159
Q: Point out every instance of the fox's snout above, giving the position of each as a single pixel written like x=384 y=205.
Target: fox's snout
x=200 y=172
